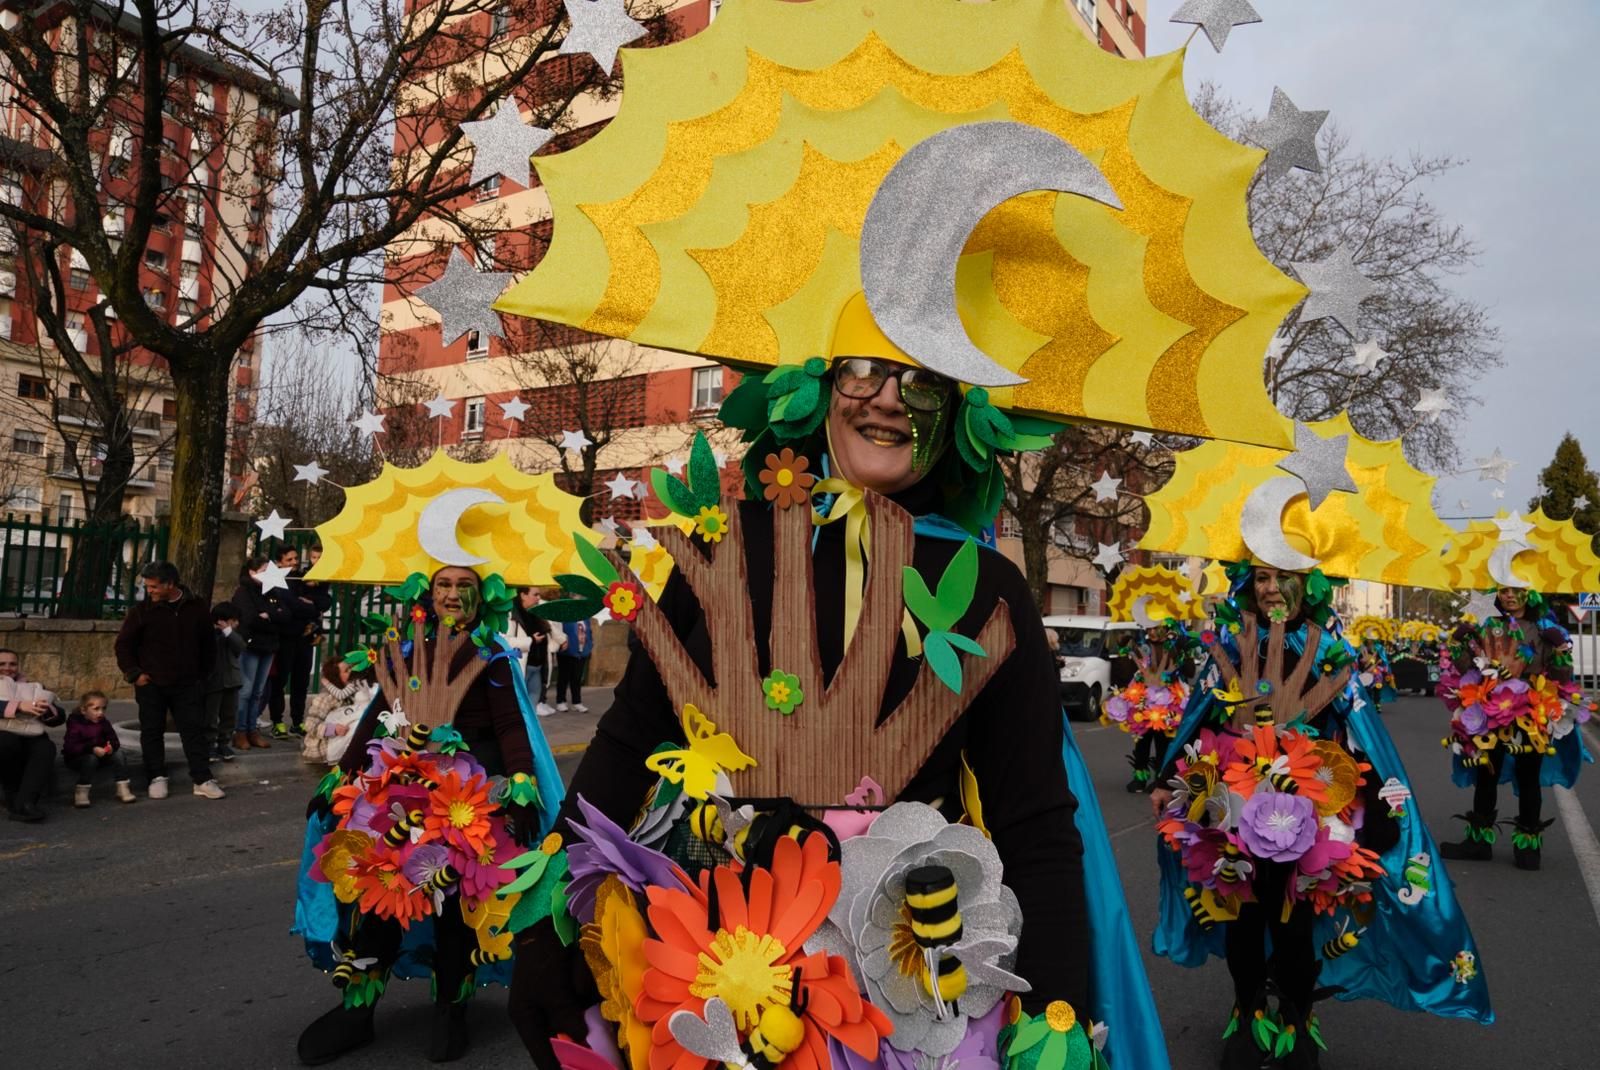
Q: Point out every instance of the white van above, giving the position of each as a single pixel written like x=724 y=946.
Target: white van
x=1086 y=653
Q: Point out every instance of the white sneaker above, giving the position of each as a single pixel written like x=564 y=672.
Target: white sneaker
x=158 y=787
x=579 y=708
x=210 y=789
x=561 y=707
x=544 y=709
x=80 y=795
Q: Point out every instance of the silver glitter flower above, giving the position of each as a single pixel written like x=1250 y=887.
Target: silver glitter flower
x=871 y=922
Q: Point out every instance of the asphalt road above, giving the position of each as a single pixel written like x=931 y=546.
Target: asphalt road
x=156 y=935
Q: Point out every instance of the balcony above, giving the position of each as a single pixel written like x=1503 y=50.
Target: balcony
x=60 y=467
x=78 y=412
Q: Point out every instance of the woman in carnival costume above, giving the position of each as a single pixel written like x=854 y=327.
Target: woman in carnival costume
x=1373 y=637
x=1150 y=705
x=420 y=842
x=1285 y=818
x=1508 y=683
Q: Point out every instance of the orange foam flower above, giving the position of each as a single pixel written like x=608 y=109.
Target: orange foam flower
x=784 y=480
x=459 y=813
x=1261 y=748
x=751 y=956
x=384 y=889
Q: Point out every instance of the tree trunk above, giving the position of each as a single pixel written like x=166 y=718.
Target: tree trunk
x=1036 y=559
x=199 y=469
x=98 y=542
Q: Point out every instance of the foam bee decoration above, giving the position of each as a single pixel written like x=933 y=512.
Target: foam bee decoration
x=407 y=826
x=349 y=966
x=777 y=1034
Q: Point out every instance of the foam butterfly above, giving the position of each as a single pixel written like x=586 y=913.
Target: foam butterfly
x=709 y=752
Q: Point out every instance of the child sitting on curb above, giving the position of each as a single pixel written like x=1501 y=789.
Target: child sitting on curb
x=334 y=710
x=90 y=743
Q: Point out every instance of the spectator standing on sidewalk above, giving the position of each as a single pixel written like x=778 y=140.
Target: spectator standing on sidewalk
x=165 y=649
x=261 y=615
x=572 y=664
x=26 y=753
x=225 y=682
x=90 y=743
x=531 y=635
x=297 y=641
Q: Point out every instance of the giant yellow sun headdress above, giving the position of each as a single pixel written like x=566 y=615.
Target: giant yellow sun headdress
x=1151 y=594
x=757 y=172
x=486 y=516
x=1386 y=530
x=1535 y=551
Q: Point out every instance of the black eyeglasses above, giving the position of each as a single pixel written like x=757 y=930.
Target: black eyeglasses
x=862 y=377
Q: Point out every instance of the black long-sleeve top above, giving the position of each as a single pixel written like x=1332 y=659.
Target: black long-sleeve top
x=169 y=641
x=1011 y=734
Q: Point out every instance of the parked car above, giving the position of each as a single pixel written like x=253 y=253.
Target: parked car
x=1090 y=669
x=1415 y=675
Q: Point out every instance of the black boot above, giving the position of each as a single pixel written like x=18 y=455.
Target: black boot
x=341 y=1030
x=1478 y=844
x=448 y=1041
x=1142 y=777
x=1240 y=1048
x=1527 y=841
x=1297 y=1044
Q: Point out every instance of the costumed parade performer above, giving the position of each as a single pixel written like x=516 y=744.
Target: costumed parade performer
x=1150 y=706
x=420 y=842
x=1508 y=683
x=1289 y=842
x=1373 y=637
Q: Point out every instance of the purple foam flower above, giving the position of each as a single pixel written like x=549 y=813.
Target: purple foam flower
x=425 y=862
x=1158 y=697
x=978 y=1049
x=1473 y=719
x=1507 y=702
x=1276 y=826
x=1118 y=708
x=603 y=849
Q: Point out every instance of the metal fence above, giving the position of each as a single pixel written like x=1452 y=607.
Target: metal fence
x=35 y=557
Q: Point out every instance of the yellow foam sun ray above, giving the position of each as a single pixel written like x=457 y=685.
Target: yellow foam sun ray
x=1386 y=532
x=720 y=211
x=1371 y=627
x=526 y=537
x=1560 y=559
x=1167 y=594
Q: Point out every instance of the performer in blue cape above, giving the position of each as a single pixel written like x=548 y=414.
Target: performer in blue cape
x=1530 y=740
x=1290 y=844
x=411 y=841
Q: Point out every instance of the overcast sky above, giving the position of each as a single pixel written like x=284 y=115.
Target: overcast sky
x=1509 y=87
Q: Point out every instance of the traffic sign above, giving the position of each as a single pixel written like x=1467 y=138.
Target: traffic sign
x=1589 y=601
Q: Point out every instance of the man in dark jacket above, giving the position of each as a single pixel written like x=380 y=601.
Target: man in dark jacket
x=165 y=649
x=297 y=644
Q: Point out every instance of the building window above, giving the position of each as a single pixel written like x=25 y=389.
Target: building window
x=75 y=391
x=155 y=299
x=488 y=189
x=485 y=256
x=707 y=389
x=164 y=461
x=472 y=422
x=155 y=260
x=64 y=506
x=477 y=345
x=499 y=22
x=33 y=388
x=169 y=409
x=79 y=279
x=1009 y=528
x=28 y=442
x=25 y=499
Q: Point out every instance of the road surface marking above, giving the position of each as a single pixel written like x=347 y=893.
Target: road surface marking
x=569 y=748
x=24 y=849
x=1585 y=848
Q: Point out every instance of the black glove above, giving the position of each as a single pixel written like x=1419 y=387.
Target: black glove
x=522 y=821
x=550 y=988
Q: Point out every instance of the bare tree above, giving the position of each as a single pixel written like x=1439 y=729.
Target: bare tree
x=303 y=415
x=1378 y=208
x=298 y=160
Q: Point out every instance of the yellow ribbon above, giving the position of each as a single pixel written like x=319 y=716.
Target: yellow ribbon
x=849 y=504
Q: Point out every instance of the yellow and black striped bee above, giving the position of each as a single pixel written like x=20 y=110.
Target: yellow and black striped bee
x=417 y=738
x=1232 y=866
x=1280 y=781
x=348 y=967
x=1342 y=944
x=407 y=825
x=933 y=900
x=705 y=824
x=441 y=882
x=1207 y=908
x=778 y=1033
x=480 y=957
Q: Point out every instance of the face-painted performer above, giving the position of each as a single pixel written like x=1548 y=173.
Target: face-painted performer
x=1284 y=824
x=1508 y=682
x=1149 y=700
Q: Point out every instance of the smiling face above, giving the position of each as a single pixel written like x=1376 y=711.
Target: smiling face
x=10 y=665
x=880 y=444
x=1278 y=594
x=457 y=592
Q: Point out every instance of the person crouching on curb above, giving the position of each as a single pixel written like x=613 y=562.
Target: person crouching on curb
x=91 y=742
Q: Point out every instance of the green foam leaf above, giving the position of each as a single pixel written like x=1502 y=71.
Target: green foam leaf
x=598 y=564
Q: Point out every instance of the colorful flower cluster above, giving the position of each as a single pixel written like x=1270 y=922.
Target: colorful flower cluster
x=1492 y=708
x=1274 y=794
x=413 y=827
x=1141 y=707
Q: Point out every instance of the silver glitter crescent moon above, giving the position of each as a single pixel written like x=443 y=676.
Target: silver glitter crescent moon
x=922 y=216
x=1141 y=614
x=1261 y=524
x=436 y=527
x=1500 y=569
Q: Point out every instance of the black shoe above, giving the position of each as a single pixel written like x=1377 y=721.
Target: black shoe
x=1239 y=1048
x=1303 y=1055
x=448 y=1040
x=280 y=730
x=1478 y=844
x=222 y=753
x=298 y=729
x=1527 y=841
x=31 y=814
x=341 y=1030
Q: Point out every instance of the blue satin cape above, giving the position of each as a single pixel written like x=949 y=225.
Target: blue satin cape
x=318 y=916
x=1405 y=956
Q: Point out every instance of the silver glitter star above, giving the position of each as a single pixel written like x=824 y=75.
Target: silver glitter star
x=274 y=577
x=675 y=465
x=1106 y=488
x=1216 y=17
x=1481 y=606
x=609 y=526
x=643 y=539
x=1494 y=467
x=1514 y=529
x=502 y=144
x=1142 y=438
x=1109 y=556
x=272 y=525
x=369 y=423
x=1498 y=494
x=309 y=473
x=515 y=409
x=576 y=441
x=1433 y=404
x=462 y=296
x=1368 y=355
x=1320 y=463
x=1580 y=503
x=440 y=408
x=1337 y=289
x=599 y=27
x=1289 y=135
x=621 y=486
